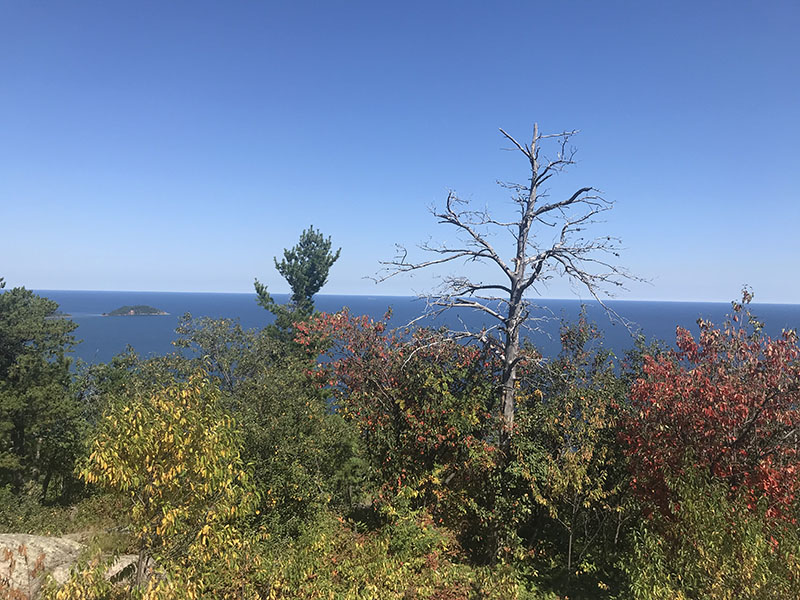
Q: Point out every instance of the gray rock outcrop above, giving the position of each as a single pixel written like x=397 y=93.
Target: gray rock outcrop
x=26 y=561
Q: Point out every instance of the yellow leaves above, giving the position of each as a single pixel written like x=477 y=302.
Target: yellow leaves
x=175 y=455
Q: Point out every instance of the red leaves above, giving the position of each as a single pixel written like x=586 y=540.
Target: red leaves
x=422 y=402
x=729 y=402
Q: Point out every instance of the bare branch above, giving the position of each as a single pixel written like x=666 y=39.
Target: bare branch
x=524 y=149
x=576 y=197
x=458 y=302
x=453 y=218
x=461 y=286
x=403 y=267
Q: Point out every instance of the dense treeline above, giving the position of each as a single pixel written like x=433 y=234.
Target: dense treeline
x=328 y=456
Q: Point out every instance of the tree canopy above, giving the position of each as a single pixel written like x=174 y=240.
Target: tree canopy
x=305 y=267
x=37 y=411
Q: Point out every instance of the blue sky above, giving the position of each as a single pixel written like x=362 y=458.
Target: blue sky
x=181 y=145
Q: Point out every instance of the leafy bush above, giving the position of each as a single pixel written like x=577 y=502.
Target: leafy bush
x=423 y=408
x=729 y=401
x=711 y=546
x=566 y=480
x=409 y=558
x=175 y=457
x=303 y=457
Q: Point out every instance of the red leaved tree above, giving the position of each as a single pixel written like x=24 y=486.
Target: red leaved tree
x=423 y=403
x=727 y=402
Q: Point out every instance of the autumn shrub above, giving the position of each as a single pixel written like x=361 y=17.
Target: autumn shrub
x=711 y=545
x=423 y=405
x=174 y=456
x=729 y=401
x=554 y=507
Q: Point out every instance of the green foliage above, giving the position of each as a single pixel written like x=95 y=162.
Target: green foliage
x=305 y=267
x=409 y=558
x=40 y=421
x=714 y=547
x=562 y=492
x=303 y=455
x=228 y=352
x=126 y=376
x=23 y=512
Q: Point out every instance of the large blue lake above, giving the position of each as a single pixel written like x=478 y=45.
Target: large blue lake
x=103 y=337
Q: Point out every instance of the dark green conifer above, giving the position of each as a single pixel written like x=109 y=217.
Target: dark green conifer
x=39 y=418
x=305 y=267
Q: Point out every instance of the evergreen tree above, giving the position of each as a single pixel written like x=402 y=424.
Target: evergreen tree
x=39 y=418
x=305 y=267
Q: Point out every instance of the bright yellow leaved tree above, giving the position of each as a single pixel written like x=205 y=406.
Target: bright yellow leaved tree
x=175 y=456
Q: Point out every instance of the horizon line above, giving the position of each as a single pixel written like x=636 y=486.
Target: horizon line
x=416 y=296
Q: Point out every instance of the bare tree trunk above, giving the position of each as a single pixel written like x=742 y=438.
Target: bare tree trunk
x=575 y=505
x=508 y=407
x=511 y=353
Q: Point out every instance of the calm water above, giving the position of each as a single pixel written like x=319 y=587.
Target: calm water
x=103 y=337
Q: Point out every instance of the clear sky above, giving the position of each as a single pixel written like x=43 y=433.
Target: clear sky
x=155 y=145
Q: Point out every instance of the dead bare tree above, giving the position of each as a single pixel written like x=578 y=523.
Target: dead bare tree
x=536 y=255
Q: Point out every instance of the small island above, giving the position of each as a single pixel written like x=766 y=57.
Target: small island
x=138 y=310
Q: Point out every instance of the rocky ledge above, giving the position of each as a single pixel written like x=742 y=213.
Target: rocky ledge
x=26 y=561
